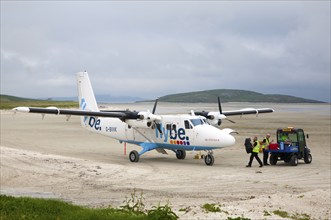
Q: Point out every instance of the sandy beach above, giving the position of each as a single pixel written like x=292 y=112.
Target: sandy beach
x=53 y=158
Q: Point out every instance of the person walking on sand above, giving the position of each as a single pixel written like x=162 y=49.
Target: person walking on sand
x=255 y=153
x=265 y=148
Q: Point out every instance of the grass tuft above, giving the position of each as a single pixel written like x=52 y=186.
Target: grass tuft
x=12 y=208
x=211 y=207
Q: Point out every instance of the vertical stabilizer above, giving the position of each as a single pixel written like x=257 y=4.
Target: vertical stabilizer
x=86 y=96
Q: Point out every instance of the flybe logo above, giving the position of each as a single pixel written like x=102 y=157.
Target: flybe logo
x=174 y=136
x=92 y=122
x=83 y=105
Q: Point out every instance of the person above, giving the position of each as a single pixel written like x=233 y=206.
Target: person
x=265 y=148
x=285 y=138
x=255 y=153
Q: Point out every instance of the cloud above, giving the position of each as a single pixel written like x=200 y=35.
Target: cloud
x=150 y=49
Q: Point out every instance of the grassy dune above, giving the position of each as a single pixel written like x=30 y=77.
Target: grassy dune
x=12 y=208
x=9 y=102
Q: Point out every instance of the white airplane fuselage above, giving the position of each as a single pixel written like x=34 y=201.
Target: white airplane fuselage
x=184 y=132
x=179 y=133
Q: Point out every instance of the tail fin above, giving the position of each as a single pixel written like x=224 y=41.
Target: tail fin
x=86 y=96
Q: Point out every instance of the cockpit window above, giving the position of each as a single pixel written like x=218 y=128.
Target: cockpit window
x=197 y=121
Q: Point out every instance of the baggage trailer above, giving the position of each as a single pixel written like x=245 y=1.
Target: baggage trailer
x=290 y=147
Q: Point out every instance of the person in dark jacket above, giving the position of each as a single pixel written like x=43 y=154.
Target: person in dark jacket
x=255 y=153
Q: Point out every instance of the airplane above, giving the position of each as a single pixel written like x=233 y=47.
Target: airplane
x=197 y=131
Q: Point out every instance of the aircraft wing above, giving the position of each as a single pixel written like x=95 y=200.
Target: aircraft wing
x=247 y=111
x=215 y=118
x=56 y=111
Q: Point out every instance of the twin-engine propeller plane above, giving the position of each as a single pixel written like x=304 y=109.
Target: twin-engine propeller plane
x=179 y=133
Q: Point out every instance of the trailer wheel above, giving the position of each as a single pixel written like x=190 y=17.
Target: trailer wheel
x=273 y=159
x=294 y=160
x=308 y=158
x=287 y=159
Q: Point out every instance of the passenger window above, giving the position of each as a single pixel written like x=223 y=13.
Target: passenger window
x=187 y=125
x=171 y=127
x=174 y=127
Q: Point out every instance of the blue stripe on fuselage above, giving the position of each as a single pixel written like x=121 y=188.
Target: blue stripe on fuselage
x=174 y=147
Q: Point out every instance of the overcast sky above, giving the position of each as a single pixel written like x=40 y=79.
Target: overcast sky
x=154 y=48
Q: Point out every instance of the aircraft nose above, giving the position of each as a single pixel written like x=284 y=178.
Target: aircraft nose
x=227 y=139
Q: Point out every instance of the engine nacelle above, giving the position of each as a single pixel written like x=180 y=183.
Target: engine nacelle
x=215 y=118
x=144 y=120
x=147 y=116
x=139 y=123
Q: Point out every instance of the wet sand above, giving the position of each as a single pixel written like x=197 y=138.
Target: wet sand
x=53 y=158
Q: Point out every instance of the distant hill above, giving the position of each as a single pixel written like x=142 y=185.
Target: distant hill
x=232 y=95
x=8 y=98
x=9 y=102
x=105 y=99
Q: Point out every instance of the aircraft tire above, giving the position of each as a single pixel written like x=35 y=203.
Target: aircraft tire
x=209 y=160
x=134 y=156
x=180 y=154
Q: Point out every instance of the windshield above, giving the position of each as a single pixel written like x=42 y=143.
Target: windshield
x=196 y=122
x=283 y=136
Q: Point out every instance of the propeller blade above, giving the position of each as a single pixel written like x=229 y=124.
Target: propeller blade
x=231 y=121
x=155 y=104
x=219 y=104
x=158 y=126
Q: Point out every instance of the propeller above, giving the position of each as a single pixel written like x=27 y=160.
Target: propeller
x=219 y=104
x=220 y=109
x=155 y=104
x=158 y=125
x=221 y=112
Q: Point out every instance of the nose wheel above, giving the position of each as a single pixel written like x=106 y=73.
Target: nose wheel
x=209 y=159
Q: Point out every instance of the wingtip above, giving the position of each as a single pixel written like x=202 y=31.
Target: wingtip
x=21 y=109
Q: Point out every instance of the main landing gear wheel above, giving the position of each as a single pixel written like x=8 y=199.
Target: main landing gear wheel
x=134 y=156
x=180 y=154
x=209 y=160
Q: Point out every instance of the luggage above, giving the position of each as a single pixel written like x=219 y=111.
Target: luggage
x=273 y=146
x=248 y=145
